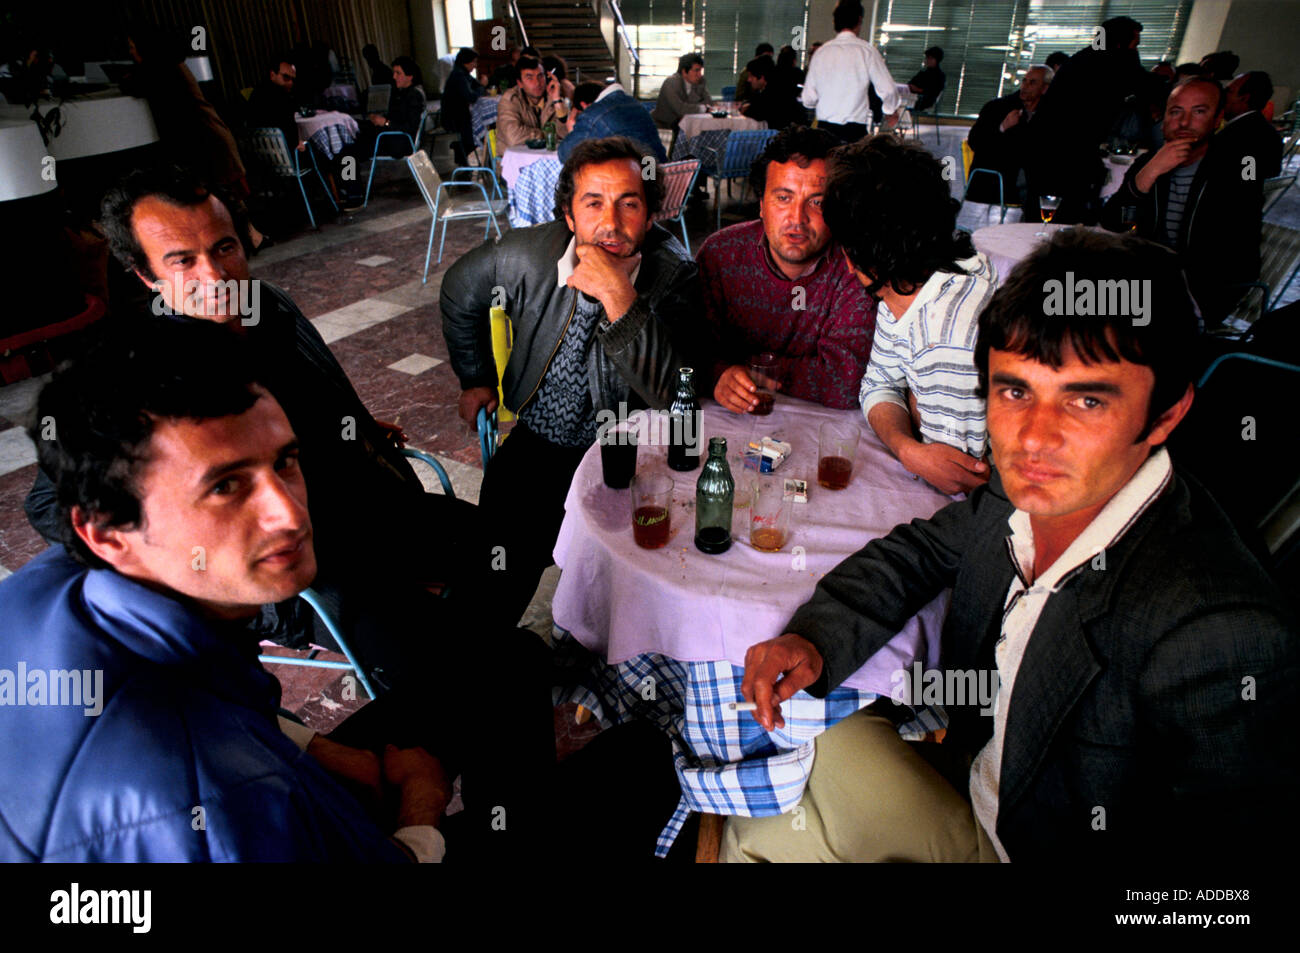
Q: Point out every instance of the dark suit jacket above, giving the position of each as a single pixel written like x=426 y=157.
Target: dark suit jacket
x=1005 y=152
x=1253 y=135
x=1131 y=695
x=1218 y=239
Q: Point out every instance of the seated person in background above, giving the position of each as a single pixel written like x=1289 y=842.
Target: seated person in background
x=1245 y=130
x=406 y=113
x=609 y=111
x=605 y=308
x=1146 y=667
x=169 y=450
x=555 y=66
x=1060 y=58
x=889 y=205
x=762 y=51
x=929 y=82
x=759 y=104
x=506 y=76
x=683 y=93
x=781 y=285
x=1002 y=139
x=380 y=74
x=525 y=110
x=271 y=103
x=1220 y=66
x=372 y=515
x=461 y=92
x=1192 y=195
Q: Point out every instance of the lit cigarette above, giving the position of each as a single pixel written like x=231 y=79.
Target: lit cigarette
x=743 y=706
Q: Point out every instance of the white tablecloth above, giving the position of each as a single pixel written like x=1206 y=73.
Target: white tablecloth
x=623 y=601
x=906 y=95
x=692 y=126
x=517 y=157
x=1006 y=245
x=310 y=126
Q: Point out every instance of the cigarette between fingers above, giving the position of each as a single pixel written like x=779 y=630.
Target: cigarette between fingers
x=742 y=706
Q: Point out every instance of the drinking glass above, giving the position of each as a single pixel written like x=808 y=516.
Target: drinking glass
x=1047 y=206
x=1128 y=217
x=769 y=514
x=652 y=502
x=764 y=371
x=836 y=447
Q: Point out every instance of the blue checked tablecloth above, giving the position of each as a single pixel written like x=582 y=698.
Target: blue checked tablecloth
x=532 y=197
x=331 y=140
x=726 y=763
x=708 y=147
x=482 y=114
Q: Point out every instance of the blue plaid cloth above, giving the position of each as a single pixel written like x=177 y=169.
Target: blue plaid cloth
x=331 y=140
x=482 y=115
x=532 y=198
x=726 y=763
x=708 y=147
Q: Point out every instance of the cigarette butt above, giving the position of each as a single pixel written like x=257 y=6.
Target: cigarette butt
x=742 y=706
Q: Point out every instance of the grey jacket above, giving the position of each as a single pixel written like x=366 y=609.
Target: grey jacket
x=1161 y=688
x=675 y=101
x=637 y=357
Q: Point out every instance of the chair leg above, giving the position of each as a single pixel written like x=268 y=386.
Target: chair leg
x=310 y=217
x=428 y=252
x=325 y=188
x=442 y=241
x=369 y=182
x=685 y=238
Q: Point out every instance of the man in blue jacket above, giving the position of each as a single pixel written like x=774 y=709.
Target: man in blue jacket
x=598 y=113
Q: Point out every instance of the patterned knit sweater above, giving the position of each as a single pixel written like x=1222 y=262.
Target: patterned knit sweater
x=824 y=345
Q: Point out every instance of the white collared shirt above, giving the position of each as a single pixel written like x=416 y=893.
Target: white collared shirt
x=1025 y=603
x=838 y=77
x=568 y=264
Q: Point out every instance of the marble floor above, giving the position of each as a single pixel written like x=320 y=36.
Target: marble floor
x=358 y=280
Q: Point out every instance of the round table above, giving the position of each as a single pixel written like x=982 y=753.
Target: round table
x=623 y=601
x=1006 y=245
x=516 y=158
x=328 y=131
x=692 y=126
x=532 y=194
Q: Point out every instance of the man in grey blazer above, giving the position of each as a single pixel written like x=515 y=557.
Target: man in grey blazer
x=1147 y=664
x=683 y=93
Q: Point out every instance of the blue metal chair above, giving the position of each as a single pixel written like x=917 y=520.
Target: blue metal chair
x=313 y=599
x=269 y=145
x=742 y=149
x=376 y=158
x=678 y=180
x=1001 y=195
x=447 y=209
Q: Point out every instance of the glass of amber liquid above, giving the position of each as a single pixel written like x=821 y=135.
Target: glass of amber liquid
x=769 y=515
x=1047 y=206
x=837 y=446
x=1128 y=218
x=652 y=501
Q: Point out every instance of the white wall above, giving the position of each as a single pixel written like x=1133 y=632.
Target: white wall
x=1266 y=35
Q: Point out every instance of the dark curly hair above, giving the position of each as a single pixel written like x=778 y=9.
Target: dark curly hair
x=595 y=151
x=94 y=421
x=1015 y=319
x=798 y=144
x=888 y=205
x=173 y=185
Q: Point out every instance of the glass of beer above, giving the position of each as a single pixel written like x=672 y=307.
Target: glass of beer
x=769 y=514
x=1047 y=206
x=652 y=500
x=764 y=371
x=837 y=446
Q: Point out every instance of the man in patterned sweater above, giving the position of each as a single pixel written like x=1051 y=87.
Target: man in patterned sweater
x=888 y=203
x=780 y=285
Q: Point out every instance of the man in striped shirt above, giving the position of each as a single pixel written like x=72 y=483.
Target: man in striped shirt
x=888 y=205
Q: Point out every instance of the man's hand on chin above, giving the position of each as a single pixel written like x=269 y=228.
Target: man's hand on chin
x=607 y=278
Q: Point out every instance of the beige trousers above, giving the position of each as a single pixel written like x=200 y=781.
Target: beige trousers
x=871 y=797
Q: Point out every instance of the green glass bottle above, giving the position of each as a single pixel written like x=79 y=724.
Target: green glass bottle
x=715 y=492
x=549 y=131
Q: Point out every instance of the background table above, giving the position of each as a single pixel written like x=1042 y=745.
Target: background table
x=329 y=132
x=482 y=114
x=1006 y=245
x=684 y=620
x=516 y=158
x=695 y=124
x=532 y=194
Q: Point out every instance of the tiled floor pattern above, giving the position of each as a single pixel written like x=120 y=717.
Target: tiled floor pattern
x=359 y=280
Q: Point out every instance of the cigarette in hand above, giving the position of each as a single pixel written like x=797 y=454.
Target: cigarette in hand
x=743 y=706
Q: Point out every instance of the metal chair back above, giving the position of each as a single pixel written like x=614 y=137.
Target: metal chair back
x=269 y=146
x=1275 y=188
x=677 y=178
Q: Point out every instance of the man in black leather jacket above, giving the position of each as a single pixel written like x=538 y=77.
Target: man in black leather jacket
x=605 y=308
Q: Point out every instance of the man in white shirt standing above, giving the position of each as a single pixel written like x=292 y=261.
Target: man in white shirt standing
x=838 y=77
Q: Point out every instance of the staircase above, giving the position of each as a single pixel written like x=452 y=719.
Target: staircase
x=570 y=29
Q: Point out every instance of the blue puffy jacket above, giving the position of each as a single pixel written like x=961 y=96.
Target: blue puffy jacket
x=172 y=752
